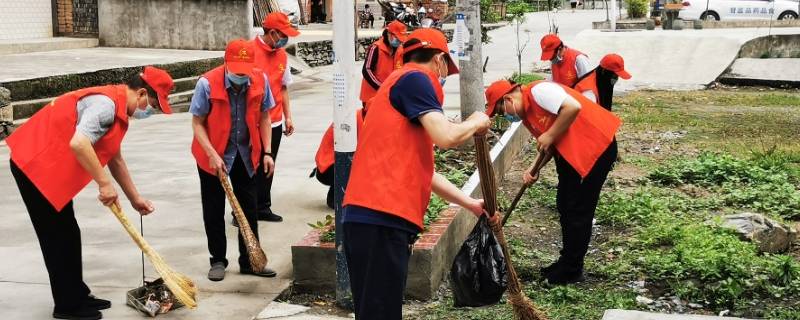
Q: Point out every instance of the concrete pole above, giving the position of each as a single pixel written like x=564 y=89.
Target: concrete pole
x=471 y=73
x=613 y=15
x=344 y=128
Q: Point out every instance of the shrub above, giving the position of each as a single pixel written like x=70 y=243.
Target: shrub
x=637 y=8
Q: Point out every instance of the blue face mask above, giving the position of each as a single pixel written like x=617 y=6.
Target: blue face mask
x=395 y=43
x=140 y=114
x=281 y=43
x=556 y=59
x=237 y=80
x=512 y=118
x=442 y=80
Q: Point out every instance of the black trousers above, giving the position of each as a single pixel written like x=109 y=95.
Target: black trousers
x=214 y=199
x=60 y=241
x=264 y=183
x=576 y=201
x=377 y=262
x=326 y=178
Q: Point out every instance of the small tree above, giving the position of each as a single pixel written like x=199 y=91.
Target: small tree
x=517 y=11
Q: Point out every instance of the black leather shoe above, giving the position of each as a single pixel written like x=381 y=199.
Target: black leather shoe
x=548 y=269
x=558 y=277
x=266 y=273
x=96 y=303
x=269 y=216
x=81 y=313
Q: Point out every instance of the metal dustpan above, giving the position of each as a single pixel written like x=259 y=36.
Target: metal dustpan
x=153 y=298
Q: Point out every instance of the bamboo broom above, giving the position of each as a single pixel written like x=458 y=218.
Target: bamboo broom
x=180 y=285
x=258 y=260
x=524 y=309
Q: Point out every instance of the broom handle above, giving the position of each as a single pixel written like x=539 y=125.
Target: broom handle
x=538 y=164
x=244 y=226
x=143 y=245
x=485 y=171
x=141 y=229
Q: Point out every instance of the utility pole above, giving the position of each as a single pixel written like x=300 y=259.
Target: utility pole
x=468 y=52
x=613 y=15
x=344 y=128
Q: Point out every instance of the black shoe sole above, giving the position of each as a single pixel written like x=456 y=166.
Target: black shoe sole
x=270 y=218
x=99 y=306
x=74 y=317
x=263 y=275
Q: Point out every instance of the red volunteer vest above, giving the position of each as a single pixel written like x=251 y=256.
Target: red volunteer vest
x=386 y=64
x=40 y=147
x=273 y=63
x=325 y=153
x=388 y=139
x=564 y=72
x=218 y=123
x=585 y=140
x=589 y=82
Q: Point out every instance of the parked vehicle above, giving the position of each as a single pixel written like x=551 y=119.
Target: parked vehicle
x=739 y=10
x=399 y=11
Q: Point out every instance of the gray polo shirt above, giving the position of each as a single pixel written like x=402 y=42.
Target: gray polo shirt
x=95 y=116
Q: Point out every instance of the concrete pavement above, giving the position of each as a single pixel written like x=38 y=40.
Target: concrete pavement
x=779 y=70
x=157 y=153
x=672 y=60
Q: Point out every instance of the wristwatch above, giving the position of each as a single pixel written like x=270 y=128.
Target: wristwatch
x=267 y=154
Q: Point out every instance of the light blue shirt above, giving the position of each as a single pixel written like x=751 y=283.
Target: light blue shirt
x=239 y=139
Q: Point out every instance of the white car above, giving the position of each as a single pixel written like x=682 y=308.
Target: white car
x=739 y=10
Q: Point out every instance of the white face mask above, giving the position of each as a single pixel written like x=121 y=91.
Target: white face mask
x=443 y=79
x=140 y=114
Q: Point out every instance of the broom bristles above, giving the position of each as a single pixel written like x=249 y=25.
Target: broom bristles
x=181 y=286
x=256 y=256
x=524 y=309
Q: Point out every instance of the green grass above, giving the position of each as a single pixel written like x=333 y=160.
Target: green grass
x=664 y=229
x=735 y=122
x=525 y=78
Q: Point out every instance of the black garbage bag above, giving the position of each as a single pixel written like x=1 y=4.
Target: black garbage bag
x=479 y=275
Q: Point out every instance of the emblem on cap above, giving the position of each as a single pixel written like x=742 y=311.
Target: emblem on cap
x=243 y=55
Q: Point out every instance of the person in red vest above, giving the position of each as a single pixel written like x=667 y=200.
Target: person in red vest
x=392 y=174
x=325 y=157
x=230 y=119
x=62 y=148
x=598 y=85
x=580 y=135
x=382 y=58
x=566 y=64
x=271 y=58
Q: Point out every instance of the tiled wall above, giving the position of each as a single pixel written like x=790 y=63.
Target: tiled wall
x=21 y=19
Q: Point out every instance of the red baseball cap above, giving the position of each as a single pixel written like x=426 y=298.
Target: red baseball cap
x=239 y=56
x=428 y=38
x=549 y=44
x=162 y=84
x=495 y=92
x=280 y=21
x=613 y=62
x=398 y=29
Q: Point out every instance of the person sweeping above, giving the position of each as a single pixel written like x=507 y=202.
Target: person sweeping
x=580 y=135
x=392 y=174
x=62 y=148
x=271 y=58
x=598 y=85
x=230 y=119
